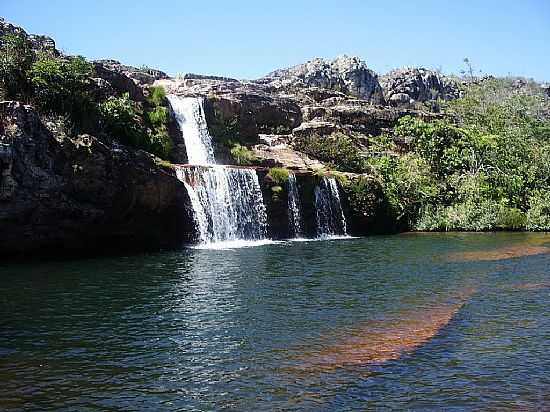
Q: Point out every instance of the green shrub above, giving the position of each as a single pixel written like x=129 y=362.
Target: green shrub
x=123 y=120
x=62 y=86
x=471 y=216
x=157 y=117
x=407 y=182
x=364 y=195
x=338 y=150
x=159 y=142
x=156 y=96
x=511 y=219
x=242 y=154
x=16 y=58
x=279 y=175
x=60 y=83
x=538 y=215
x=449 y=149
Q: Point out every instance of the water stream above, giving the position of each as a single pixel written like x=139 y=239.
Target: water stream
x=294 y=207
x=227 y=202
x=328 y=208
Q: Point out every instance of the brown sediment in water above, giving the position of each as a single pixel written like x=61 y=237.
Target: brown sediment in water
x=530 y=286
x=506 y=252
x=380 y=341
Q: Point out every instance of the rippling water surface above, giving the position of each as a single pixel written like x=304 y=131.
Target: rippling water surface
x=409 y=322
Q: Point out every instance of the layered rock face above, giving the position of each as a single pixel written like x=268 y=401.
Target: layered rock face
x=404 y=87
x=59 y=193
x=348 y=75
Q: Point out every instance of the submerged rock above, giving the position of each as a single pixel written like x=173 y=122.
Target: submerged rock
x=61 y=193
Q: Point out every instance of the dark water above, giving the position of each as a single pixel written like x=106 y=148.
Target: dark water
x=409 y=322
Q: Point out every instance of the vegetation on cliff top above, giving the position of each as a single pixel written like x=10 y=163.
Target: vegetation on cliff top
x=64 y=86
x=485 y=166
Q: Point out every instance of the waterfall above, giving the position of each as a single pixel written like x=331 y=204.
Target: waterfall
x=330 y=216
x=189 y=113
x=227 y=202
x=294 y=207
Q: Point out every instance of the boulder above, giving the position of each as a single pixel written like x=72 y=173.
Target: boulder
x=243 y=116
x=282 y=155
x=61 y=193
x=141 y=76
x=347 y=75
x=118 y=81
x=404 y=87
x=37 y=42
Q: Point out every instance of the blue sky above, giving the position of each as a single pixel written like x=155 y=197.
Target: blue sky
x=246 y=39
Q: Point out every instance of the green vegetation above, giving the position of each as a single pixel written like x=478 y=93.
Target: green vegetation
x=123 y=119
x=279 y=175
x=242 y=154
x=126 y=120
x=484 y=166
x=157 y=95
x=338 y=150
x=63 y=86
x=16 y=58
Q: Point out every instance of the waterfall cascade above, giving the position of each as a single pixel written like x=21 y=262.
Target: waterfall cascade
x=189 y=113
x=330 y=216
x=227 y=202
x=294 y=207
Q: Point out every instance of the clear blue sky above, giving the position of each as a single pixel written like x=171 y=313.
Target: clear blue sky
x=246 y=39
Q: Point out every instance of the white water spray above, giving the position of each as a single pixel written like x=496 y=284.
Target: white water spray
x=189 y=113
x=294 y=207
x=330 y=215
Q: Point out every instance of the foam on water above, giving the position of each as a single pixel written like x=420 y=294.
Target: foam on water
x=235 y=244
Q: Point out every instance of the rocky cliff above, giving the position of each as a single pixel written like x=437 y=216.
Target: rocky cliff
x=60 y=193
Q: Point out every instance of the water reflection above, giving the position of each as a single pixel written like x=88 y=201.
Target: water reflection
x=379 y=323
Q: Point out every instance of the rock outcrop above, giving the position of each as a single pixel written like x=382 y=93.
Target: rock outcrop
x=354 y=116
x=404 y=87
x=37 y=42
x=347 y=75
x=238 y=111
x=59 y=193
x=141 y=76
x=115 y=78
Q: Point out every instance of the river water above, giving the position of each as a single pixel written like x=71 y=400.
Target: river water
x=407 y=322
